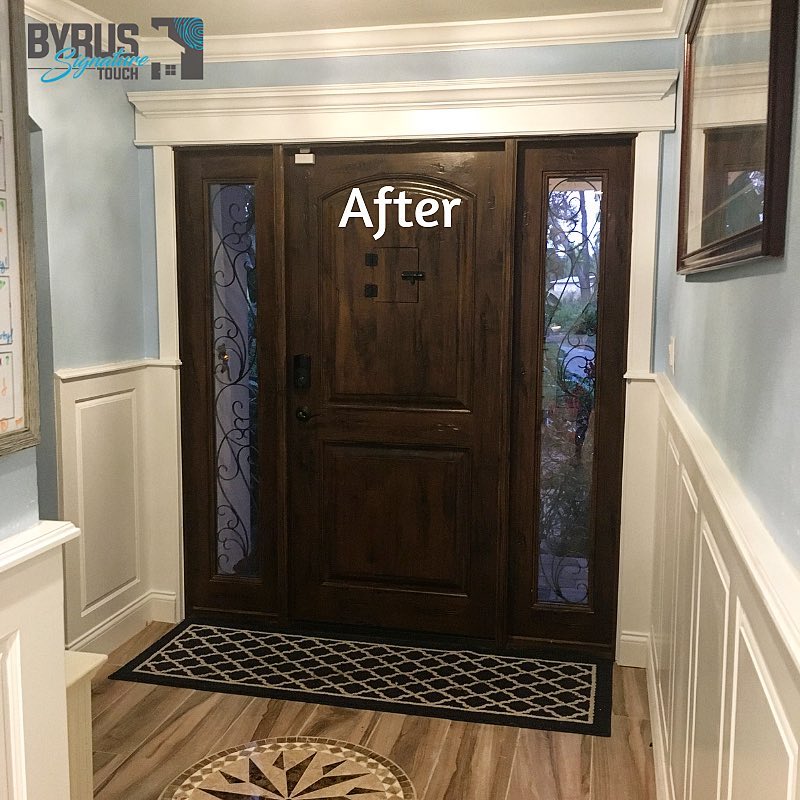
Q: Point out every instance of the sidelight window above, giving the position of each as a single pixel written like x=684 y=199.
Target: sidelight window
x=233 y=244
x=569 y=364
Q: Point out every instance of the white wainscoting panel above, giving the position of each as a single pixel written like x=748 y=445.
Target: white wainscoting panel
x=724 y=665
x=657 y=626
x=107 y=443
x=763 y=749
x=12 y=733
x=33 y=698
x=683 y=653
x=120 y=483
x=708 y=685
x=669 y=589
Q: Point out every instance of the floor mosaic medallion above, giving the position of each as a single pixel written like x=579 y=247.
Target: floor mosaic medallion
x=300 y=768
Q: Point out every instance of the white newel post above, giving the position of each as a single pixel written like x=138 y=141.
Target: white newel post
x=80 y=669
x=33 y=700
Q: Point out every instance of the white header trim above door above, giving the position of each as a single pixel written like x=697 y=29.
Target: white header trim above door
x=533 y=105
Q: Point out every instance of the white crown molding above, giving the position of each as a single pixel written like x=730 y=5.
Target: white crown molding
x=595 y=102
x=58 y=12
x=646 y=85
x=61 y=11
x=609 y=26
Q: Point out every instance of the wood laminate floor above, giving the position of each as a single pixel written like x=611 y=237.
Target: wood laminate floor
x=144 y=736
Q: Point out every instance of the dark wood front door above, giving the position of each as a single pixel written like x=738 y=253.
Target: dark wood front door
x=396 y=446
x=402 y=385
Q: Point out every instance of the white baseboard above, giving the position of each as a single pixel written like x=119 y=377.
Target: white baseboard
x=664 y=789
x=632 y=649
x=117 y=629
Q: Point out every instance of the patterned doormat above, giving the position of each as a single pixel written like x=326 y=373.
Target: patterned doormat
x=547 y=693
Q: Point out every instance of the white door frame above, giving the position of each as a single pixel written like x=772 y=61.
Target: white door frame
x=641 y=102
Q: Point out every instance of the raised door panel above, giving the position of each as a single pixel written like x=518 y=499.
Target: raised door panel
x=397 y=516
x=398 y=312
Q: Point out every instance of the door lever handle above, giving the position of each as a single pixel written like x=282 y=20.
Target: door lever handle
x=223 y=356
x=303 y=414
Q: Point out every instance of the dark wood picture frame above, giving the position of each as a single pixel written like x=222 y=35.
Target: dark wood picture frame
x=767 y=238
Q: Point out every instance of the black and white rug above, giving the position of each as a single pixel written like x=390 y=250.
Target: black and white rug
x=547 y=693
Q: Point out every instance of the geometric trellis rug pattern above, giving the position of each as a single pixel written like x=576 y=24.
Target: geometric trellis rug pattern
x=532 y=692
x=299 y=767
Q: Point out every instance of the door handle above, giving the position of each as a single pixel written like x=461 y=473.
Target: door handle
x=303 y=414
x=223 y=356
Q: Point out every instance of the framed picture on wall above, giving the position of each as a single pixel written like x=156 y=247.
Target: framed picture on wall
x=736 y=142
x=19 y=384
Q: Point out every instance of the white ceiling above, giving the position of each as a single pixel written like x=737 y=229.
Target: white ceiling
x=279 y=16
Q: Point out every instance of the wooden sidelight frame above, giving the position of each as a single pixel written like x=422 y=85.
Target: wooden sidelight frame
x=642 y=103
x=268 y=598
x=609 y=158
x=207 y=591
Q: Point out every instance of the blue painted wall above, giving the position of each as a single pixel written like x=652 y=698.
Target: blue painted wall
x=737 y=336
x=18 y=503
x=456 y=64
x=91 y=173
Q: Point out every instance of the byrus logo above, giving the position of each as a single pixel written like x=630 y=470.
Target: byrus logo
x=111 y=51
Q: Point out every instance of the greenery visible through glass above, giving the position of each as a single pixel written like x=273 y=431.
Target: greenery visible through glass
x=568 y=389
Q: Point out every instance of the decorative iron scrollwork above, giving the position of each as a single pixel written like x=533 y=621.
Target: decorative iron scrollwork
x=568 y=389
x=232 y=208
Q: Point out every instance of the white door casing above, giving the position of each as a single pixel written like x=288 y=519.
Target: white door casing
x=640 y=102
